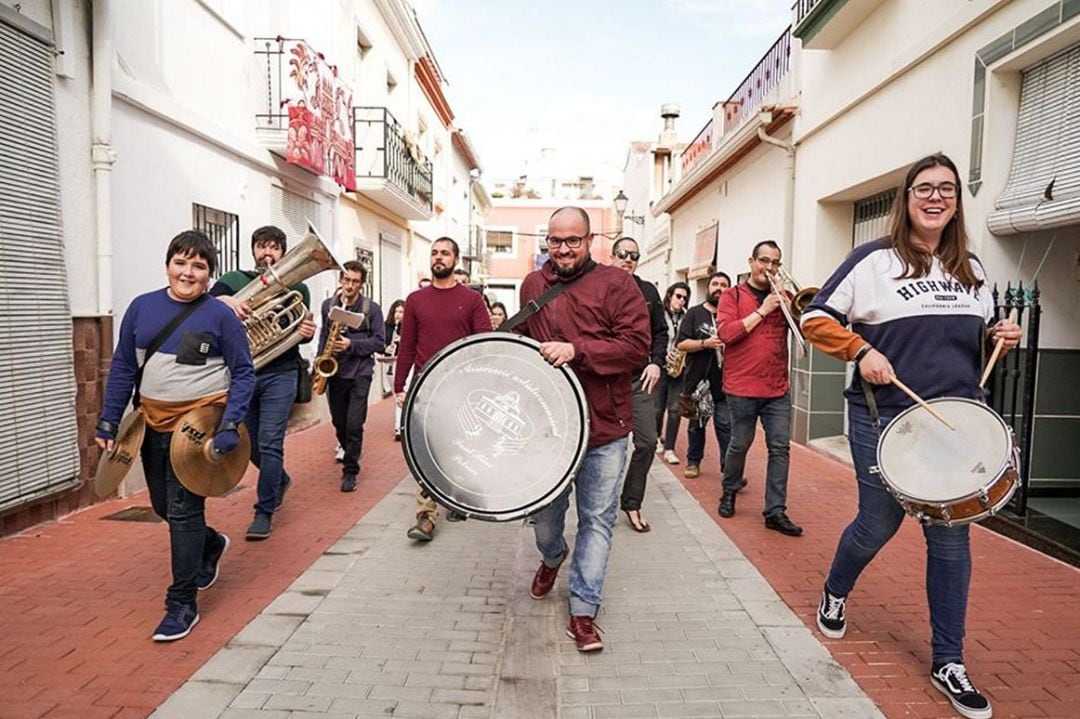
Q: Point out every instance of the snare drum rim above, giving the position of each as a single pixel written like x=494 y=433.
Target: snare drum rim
x=440 y=496
x=902 y=496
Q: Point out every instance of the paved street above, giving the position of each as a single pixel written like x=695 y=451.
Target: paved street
x=338 y=615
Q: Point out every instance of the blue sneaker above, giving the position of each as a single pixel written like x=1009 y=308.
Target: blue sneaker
x=179 y=620
x=209 y=572
x=286 y=482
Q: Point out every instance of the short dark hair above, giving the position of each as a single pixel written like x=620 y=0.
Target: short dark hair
x=720 y=274
x=355 y=266
x=270 y=233
x=192 y=243
x=622 y=240
x=453 y=243
x=758 y=246
x=581 y=213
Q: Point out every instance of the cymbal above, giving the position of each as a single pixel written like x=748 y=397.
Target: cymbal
x=113 y=466
x=193 y=459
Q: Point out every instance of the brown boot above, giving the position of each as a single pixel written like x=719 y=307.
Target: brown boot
x=423 y=530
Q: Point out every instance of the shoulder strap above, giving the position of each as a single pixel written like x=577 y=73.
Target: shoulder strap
x=161 y=337
x=536 y=305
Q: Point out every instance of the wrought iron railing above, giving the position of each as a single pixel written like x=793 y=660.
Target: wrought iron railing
x=383 y=150
x=698 y=149
x=765 y=77
x=272 y=56
x=802 y=8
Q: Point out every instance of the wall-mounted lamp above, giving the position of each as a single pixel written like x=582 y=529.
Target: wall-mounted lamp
x=620 y=207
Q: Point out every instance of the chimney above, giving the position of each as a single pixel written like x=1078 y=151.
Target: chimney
x=669 y=136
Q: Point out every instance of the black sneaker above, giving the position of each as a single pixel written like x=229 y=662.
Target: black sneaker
x=260 y=528
x=348 y=483
x=830 y=615
x=952 y=680
x=727 y=505
x=286 y=482
x=179 y=620
x=209 y=572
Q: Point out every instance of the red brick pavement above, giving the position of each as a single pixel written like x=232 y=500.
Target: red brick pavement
x=1023 y=632
x=79 y=597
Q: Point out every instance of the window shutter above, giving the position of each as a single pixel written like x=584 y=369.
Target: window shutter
x=1043 y=190
x=38 y=432
x=291 y=212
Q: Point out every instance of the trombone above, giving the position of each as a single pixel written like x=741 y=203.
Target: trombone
x=793 y=309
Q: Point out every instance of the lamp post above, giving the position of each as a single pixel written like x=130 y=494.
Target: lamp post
x=620 y=208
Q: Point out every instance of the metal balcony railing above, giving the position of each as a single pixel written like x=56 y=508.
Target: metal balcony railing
x=384 y=151
x=273 y=54
x=802 y=8
x=698 y=149
x=764 y=78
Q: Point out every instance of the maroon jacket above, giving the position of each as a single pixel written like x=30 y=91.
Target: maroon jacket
x=603 y=315
x=755 y=363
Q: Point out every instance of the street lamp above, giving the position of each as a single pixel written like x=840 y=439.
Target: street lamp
x=620 y=207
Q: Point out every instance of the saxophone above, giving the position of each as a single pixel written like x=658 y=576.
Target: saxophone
x=325 y=365
x=676 y=362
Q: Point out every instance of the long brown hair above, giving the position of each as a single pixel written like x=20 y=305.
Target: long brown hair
x=953 y=248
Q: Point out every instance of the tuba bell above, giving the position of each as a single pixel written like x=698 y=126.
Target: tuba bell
x=276 y=310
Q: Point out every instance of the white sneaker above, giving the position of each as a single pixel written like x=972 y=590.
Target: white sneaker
x=339 y=454
x=659 y=446
x=670 y=458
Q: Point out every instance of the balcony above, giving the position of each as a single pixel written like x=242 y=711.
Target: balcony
x=698 y=149
x=390 y=168
x=823 y=24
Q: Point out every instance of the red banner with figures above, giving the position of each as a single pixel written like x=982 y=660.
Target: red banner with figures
x=320 y=135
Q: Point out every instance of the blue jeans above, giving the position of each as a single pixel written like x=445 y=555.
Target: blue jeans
x=695 y=432
x=948 y=555
x=775 y=414
x=597 y=484
x=189 y=536
x=267 y=418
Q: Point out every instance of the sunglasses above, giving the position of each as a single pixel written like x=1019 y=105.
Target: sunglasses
x=679 y=297
x=627 y=255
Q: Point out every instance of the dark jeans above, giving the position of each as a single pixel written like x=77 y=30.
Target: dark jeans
x=189 y=536
x=267 y=418
x=348 y=400
x=775 y=414
x=695 y=431
x=667 y=400
x=948 y=555
x=637 y=474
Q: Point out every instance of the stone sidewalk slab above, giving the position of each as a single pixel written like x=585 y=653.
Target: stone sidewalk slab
x=382 y=626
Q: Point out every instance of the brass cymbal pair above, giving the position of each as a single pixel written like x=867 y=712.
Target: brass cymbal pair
x=194 y=462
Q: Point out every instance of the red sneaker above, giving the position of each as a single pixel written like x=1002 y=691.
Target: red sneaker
x=544 y=580
x=583 y=631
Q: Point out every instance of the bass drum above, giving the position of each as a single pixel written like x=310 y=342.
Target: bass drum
x=492 y=430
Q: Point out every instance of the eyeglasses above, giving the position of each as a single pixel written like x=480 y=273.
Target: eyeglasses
x=351 y=281
x=924 y=190
x=679 y=297
x=766 y=262
x=572 y=242
x=627 y=255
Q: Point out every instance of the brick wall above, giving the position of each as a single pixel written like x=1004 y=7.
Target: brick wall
x=90 y=369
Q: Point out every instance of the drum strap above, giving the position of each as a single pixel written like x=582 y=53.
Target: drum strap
x=871 y=404
x=535 y=306
x=161 y=337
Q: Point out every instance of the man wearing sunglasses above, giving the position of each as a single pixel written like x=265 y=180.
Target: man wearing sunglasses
x=600 y=327
x=625 y=256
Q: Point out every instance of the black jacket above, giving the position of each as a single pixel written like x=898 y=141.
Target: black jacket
x=657 y=323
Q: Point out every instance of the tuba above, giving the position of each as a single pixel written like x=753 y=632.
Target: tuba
x=276 y=310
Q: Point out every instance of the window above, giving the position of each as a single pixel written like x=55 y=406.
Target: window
x=363 y=44
x=223 y=229
x=872 y=217
x=500 y=241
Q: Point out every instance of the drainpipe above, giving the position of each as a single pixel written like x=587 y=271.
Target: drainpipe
x=789 y=189
x=102 y=159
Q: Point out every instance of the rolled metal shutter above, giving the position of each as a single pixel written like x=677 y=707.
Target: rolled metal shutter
x=39 y=451
x=290 y=212
x=1043 y=190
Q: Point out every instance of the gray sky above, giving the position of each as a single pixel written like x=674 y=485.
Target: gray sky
x=588 y=76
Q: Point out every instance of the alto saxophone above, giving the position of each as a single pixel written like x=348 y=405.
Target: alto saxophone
x=676 y=362
x=325 y=365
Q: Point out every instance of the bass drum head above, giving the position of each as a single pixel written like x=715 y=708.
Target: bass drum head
x=493 y=430
x=924 y=460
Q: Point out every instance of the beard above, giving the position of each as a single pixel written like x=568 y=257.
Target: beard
x=571 y=270
x=443 y=273
x=714 y=298
x=263 y=262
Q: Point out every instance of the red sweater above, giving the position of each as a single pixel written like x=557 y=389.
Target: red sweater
x=604 y=317
x=755 y=363
x=433 y=319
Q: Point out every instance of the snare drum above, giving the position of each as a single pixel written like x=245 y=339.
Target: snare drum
x=946 y=477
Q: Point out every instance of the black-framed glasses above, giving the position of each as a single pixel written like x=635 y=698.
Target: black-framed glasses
x=573 y=242
x=679 y=296
x=627 y=255
x=924 y=190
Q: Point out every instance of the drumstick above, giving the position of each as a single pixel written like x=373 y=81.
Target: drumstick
x=921 y=402
x=997 y=351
